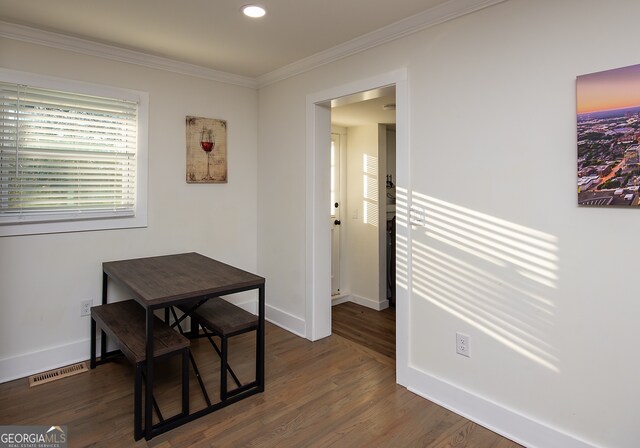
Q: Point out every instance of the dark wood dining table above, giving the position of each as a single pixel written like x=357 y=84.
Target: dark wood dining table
x=182 y=279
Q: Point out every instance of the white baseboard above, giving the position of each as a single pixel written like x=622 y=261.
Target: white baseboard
x=369 y=303
x=512 y=425
x=51 y=358
x=337 y=300
x=517 y=427
x=286 y=321
x=54 y=357
x=277 y=317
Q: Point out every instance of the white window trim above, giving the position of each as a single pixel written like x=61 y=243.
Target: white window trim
x=140 y=214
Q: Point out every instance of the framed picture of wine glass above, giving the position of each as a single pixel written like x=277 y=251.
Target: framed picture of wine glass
x=206 y=150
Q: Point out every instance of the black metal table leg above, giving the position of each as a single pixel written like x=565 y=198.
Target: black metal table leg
x=148 y=415
x=93 y=343
x=105 y=280
x=103 y=336
x=260 y=340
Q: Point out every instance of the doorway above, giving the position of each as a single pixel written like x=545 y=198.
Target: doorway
x=318 y=247
x=362 y=177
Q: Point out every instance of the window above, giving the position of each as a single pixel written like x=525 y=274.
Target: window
x=72 y=156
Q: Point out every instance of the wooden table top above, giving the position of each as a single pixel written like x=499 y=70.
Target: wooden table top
x=156 y=281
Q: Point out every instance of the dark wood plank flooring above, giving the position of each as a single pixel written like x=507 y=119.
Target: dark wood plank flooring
x=328 y=393
x=373 y=329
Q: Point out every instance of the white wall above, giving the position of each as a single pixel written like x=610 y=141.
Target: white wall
x=363 y=229
x=43 y=278
x=544 y=289
x=281 y=207
x=362 y=214
x=345 y=277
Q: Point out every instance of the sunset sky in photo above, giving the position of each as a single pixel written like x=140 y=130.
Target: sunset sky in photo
x=608 y=90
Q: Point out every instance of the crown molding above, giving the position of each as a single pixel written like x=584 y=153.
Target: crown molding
x=83 y=46
x=449 y=10
x=434 y=16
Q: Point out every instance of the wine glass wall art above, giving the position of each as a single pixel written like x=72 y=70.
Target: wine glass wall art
x=206 y=150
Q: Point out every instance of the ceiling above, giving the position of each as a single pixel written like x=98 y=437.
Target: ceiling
x=213 y=39
x=365 y=108
x=214 y=34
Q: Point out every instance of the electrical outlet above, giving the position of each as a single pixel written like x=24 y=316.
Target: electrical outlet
x=85 y=307
x=462 y=345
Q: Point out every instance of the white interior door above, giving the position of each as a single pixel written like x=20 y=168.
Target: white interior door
x=335 y=214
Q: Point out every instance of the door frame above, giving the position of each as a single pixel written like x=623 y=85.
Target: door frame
x=336 y=229
x=318 y=233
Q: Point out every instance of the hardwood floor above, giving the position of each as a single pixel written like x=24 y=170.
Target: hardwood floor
x=373 y=329
x=329 y=393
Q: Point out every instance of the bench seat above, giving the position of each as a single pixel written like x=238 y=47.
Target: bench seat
x=125 y=322
x=222 y=317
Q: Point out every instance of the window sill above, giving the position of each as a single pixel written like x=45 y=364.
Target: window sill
x=85 y=225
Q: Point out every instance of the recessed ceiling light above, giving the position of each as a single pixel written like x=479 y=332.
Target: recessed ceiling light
x=253 y=11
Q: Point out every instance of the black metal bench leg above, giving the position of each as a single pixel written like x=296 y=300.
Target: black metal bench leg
x=185 y=382
x=223 y=368
x=192 y=359
x=137 y=403
x=219 y=352
x=199 y=378
x=153 y=400
x=103 y=345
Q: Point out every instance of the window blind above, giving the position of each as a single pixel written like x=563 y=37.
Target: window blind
x=65 y=156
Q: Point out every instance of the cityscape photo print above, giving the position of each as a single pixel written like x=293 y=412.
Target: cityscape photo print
x=608 y=109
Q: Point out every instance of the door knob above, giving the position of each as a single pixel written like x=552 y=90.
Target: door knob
x=337 y=222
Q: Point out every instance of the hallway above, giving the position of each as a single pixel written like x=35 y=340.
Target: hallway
x=373 y=329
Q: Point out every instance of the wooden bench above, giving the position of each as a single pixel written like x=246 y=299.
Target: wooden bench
x=223 y=319
x=125 y=323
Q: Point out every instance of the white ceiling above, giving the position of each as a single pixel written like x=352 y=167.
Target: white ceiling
x=213 y=33
x=212 y=39
x=365 y=112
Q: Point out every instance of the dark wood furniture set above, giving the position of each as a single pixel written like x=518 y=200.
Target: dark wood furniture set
x=193 y=284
